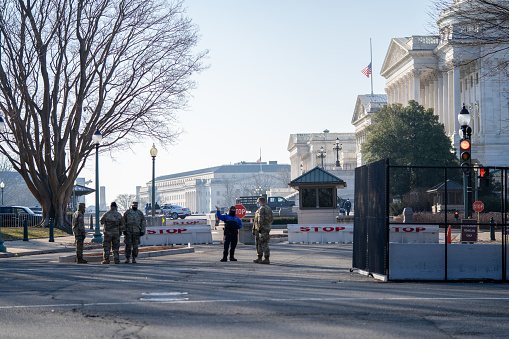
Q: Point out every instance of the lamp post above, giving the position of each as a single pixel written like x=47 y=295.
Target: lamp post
x=321 y=154
x=2 y=186
x=465 y=157
x=338 y=148
x=153 y=153
x=2 y=247
x=96 y=139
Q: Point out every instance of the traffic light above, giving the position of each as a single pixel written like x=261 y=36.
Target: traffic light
x=456 y=215
x=465 y=156
x=484 y=177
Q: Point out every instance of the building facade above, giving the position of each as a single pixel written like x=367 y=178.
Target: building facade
x=201 y=190
x=440 y=73
x=305 y=149
x=365 y=107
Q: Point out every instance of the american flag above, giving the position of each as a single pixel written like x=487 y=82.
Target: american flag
x=367 y=71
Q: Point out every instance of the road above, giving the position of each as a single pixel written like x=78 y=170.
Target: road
x=307 y=291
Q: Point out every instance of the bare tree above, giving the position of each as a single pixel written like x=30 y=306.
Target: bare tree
x=229 y=193
x=124 y=201
x=259 y=183
x=71 y=67
x=479 y=27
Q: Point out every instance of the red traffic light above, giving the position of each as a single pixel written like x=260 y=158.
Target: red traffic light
x=465 y=145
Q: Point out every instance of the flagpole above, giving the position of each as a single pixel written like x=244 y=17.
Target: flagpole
x=261 y=160
x=371 y=52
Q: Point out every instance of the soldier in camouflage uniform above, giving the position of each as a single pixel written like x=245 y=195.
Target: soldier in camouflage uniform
x=261 y=229
x=113 y=228
x=135 y=226
x=78 y=228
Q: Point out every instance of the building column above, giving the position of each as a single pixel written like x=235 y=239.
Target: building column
x=440 y=95
x=457 y=96
x=426 y=96
x=417 y=85
x=435 y=97
x=445 y=99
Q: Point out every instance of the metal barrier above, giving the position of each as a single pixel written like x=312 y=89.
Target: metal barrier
x=440 y=241
x=16 y=220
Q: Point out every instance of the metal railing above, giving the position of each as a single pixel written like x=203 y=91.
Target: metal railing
x=16 y=220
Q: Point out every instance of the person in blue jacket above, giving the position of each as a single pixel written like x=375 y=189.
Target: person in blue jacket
x=232 y=224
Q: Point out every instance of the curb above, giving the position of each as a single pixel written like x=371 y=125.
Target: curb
x=37 y=252
x=98 y=256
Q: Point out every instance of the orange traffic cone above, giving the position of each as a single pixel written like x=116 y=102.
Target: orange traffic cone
x=449 y=235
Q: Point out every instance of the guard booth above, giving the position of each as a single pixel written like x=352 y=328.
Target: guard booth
x=318 y=210
x=470 y=247
x=317 y=196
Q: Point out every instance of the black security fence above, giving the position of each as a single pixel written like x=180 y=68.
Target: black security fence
x=370 y=218
x=431 y=222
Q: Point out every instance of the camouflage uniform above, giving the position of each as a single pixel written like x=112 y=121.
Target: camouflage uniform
x=78 y=228
x=135 y=224
x=113 y=228
x=261 y=229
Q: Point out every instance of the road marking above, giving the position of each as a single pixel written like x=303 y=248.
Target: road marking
x=163 y=299
x=163 y=293
x=187 y=301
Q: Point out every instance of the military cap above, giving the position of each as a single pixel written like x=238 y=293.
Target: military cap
x=135 y=203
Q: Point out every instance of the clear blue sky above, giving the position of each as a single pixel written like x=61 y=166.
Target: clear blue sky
x=277 y=67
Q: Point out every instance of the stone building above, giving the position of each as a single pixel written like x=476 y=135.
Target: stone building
x=203 y=189
x=365 y=107
x=439 y=73
x=305 y=149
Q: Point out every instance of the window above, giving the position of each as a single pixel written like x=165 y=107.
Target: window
x=308 y=197
x=325 y=197
x=318 y=197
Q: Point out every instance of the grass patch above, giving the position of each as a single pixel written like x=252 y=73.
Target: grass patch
x=16 y=233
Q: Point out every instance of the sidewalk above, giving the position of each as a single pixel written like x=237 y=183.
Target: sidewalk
x=42 y=246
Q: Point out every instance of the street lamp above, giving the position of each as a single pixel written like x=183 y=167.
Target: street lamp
x=321 y=154
x=338 y=148
x=96 y=139
x=466 y=157
x=2 y=186
x=153 y=153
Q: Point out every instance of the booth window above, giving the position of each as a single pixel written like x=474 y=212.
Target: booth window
x=325 y=197
x=317 y=197
x=308 y=197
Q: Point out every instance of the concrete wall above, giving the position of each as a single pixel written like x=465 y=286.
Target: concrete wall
x=427 y=261
x=317 y=216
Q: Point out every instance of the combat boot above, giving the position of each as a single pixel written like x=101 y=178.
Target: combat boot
x=258 y=260
x=117 y=261
x=134 y=260
x=265 y=261
x=81 y=261
x=224 y=259
x=127 y=260
x=233 y=259
x=105 y=262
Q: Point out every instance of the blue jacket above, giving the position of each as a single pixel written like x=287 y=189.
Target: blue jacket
x=225 y=217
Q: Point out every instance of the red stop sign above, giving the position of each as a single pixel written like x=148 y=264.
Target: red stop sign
x=241 y=211
x=478 y=206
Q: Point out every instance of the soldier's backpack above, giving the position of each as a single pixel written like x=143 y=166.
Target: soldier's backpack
x=230 y=226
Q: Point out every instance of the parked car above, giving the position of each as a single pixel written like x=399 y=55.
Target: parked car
x=36 y=209
x=175 y=211
x=13 y=216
